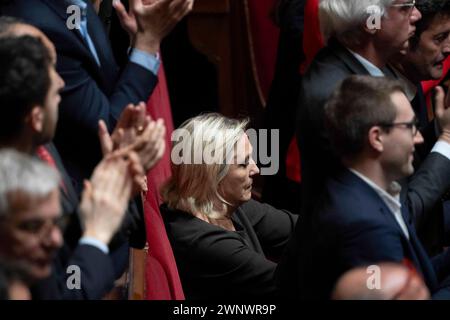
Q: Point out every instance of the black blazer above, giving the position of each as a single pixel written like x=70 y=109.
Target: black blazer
x=92 y=92
x=216 y=264
x=353 y=227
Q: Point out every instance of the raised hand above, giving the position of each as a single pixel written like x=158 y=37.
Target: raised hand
x=442 y=112
x=105 y=197
x=127 y=20
x=155 y=19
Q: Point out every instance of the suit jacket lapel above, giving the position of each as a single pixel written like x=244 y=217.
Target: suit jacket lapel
x=97 y=33
x=418 y=255
x=347 y=58
x=60 y=7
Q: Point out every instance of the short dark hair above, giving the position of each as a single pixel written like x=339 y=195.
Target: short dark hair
x=358 y=104
x=430 y=9
x=24 y=81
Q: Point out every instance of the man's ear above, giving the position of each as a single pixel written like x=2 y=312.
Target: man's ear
x=36 y=118
x=375 y=137
x=370 y=29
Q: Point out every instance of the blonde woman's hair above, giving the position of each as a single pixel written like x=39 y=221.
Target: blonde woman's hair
x=194 y=184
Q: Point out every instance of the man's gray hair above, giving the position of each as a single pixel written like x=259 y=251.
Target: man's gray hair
x=344 y=19
x=22 y=173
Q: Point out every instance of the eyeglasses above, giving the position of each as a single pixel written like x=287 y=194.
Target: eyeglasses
x=411 y=125
x=407 y=6
x=41 y=227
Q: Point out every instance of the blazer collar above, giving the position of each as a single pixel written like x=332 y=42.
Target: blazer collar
x=352 y=63
x=359 y=186
x=95 y=28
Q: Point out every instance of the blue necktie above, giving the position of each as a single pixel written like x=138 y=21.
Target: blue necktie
x=83 y=28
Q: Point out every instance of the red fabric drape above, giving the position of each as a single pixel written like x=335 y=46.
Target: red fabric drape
x=312 y=38
x=312 y=43
x=429 y=85
x=162 y=279
x=265 y=40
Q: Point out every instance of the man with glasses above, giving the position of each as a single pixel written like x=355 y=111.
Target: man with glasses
x=362 y=218
x=31 y=224
x=423 y=61
x=354 y=46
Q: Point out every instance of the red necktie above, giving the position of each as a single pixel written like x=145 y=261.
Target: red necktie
x=45 y=156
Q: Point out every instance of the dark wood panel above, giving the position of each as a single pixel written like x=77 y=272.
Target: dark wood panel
x=224 y=37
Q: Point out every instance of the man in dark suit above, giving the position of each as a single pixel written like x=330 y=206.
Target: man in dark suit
x=424 y=59
x=30 y=124
x=95 y=87
x=362 y=218
x=353 y=48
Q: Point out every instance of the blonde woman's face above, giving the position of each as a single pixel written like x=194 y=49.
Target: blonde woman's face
x=236 y=187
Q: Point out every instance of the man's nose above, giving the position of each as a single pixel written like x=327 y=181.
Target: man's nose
x=415 y=15
x=54 y=239
x=418 y=138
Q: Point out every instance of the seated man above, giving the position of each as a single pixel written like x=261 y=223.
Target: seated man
x=360 y=219
x=423 y=61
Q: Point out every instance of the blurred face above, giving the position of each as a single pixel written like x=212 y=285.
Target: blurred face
x=399 y=142
x=398 y=25
x=30 y=234
x=433 y=48
x=51 y=104
x=19 y=291
x=236 y=186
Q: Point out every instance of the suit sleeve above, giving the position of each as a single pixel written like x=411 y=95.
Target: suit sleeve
x=84 y=103
x=427 y=186
x=96 y=277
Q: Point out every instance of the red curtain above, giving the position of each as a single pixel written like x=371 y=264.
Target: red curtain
x=312 y=43
x=162 y=279
x=265 y=40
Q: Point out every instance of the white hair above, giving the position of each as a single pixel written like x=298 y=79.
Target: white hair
x=22 y=173
x=343 y=18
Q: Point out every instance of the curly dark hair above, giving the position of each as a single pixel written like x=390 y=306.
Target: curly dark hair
x=24 y=81
x=429 y=10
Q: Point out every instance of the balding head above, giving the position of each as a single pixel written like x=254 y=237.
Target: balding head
x=16 y=28
x=397 y=282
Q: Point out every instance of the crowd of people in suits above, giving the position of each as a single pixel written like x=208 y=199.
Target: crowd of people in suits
x=76 y=144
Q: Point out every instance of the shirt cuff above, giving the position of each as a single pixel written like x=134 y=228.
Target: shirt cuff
x=146 y=60
x=443 y=148
x=95 y=243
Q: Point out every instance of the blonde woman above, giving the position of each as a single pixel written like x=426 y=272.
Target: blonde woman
x=225 y=243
